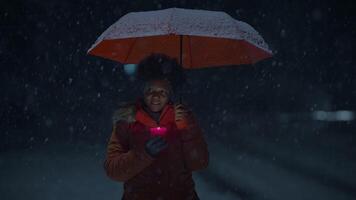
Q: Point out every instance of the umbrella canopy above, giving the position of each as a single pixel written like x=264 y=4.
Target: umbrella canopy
x=198 y=38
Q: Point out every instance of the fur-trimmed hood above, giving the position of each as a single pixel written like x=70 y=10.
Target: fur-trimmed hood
x=125 y=112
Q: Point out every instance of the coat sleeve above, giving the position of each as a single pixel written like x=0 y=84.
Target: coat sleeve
x=195 y=148
x=121 y=163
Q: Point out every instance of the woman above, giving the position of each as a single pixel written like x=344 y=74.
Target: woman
x=156 y=167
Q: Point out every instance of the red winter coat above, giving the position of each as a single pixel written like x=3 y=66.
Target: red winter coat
x=169 y=176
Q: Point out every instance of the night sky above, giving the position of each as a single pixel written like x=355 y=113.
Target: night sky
x=50 y=85
x=52 y=91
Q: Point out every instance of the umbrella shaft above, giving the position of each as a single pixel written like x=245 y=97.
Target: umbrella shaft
x=180 y=61
x=181 y=51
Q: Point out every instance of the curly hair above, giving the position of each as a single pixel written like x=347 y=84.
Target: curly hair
x=161 y=66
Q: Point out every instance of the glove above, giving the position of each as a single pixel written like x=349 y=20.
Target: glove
x=155 y=145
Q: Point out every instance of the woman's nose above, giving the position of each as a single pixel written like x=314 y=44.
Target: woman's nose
x=155 y=94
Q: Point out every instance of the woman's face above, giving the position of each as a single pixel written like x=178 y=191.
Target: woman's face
x=156 y=94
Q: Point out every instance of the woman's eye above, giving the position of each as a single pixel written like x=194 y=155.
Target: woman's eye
x=163 y=93
x=160 y=92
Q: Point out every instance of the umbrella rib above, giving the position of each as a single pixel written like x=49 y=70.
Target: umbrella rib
x=244 y=46
x=131 y=47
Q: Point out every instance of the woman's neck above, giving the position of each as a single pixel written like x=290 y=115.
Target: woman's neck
x=154 y=115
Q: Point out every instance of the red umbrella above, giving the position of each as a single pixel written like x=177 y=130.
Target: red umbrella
x=197 y=38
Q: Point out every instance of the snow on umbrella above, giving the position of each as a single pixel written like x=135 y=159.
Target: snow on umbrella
x=197 y=38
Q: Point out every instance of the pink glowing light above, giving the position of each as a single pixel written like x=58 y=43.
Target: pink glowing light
x=160 y=131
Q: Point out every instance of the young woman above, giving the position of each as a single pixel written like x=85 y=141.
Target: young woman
x=156 y=163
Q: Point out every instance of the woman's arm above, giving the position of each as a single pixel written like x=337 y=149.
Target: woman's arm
x=121 y=163
x=195 y=148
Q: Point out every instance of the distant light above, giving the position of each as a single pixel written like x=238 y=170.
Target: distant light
x=344 y=115
x=341 y=115
x=321 y=115
x=130 y=69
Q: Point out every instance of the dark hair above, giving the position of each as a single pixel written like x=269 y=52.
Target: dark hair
x=161 y=66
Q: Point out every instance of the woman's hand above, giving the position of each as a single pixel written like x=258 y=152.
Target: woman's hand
x=181 y=115
x=186 y=122
x=180 y=112
x=155 y=145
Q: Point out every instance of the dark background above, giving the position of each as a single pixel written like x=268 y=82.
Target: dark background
x=53 y=93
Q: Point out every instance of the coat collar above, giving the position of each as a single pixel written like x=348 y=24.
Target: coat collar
x=166 y=117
